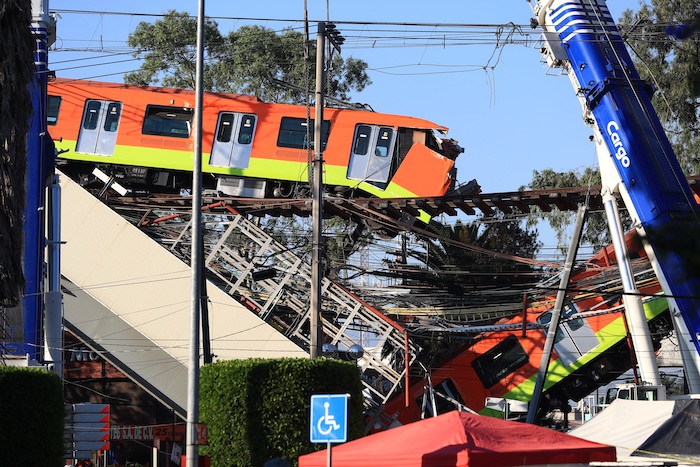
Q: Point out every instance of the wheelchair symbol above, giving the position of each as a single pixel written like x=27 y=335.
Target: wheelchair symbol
x=327 y=423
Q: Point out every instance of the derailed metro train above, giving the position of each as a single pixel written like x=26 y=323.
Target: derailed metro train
x=142 y=135
x=591 y=349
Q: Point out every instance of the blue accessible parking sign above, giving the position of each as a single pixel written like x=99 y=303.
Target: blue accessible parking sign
x=329 y=418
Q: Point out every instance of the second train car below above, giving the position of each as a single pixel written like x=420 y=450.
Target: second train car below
x=591 y=349
x=143 y=136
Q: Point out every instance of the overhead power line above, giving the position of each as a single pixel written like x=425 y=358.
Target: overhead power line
x=648 y=32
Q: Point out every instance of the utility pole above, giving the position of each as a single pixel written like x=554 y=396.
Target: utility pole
x=191 y=454
x=556 y=315
x=317 y=189
x=317 y=200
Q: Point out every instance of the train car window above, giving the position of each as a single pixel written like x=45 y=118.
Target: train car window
x=544 y=320
x=54 y=105
x=92 y=115
x=362 y=140
x=384 y=142
x=293 y=133
x=245 y=133
x=167 y=121
x=500 y=361
x=225 y=127
x=114 y=110
x=574 y=324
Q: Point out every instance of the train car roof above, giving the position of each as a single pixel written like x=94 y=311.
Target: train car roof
x=137 y=87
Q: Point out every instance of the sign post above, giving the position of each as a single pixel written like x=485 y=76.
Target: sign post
x=329 y=419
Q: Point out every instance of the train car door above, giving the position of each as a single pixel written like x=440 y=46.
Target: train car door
x=234 y=139
x=574 y=338
x=372 y=151
x=99 y=128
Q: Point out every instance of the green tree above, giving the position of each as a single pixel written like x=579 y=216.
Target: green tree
x=500 y=236
x=250 y=60
x=16 y=72
x=258 y=409
x=31 y=413
x=255 y=57
x=341 y=239
x=672 y=65
x=169 y=53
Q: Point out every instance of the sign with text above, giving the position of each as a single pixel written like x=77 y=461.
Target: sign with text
x=170 y=432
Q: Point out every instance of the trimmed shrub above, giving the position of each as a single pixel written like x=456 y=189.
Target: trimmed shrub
x=31 y=417
x=259 y=409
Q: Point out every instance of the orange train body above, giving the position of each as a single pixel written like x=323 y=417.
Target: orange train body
x=251 y=148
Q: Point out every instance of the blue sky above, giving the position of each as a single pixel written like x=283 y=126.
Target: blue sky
x=511 y=118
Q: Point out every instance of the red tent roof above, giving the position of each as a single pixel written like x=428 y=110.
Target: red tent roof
x=462 y=439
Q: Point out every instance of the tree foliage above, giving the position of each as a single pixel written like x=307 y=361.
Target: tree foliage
x=671 y=63
x=341 y=240
x=501 y=235
x=250 y=60
x=168 y=50
x=16 y=73
x=31 y=414
x=255 y=57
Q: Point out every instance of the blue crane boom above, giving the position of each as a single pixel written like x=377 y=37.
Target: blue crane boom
x=581 y=37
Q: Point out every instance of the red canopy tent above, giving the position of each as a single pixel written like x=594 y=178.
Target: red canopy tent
x=461 y=439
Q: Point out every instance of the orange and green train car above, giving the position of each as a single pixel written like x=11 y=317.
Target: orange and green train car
x=143 y=136
x=591 y=349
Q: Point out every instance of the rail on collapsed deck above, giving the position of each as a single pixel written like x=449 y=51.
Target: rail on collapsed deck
x=274 y=283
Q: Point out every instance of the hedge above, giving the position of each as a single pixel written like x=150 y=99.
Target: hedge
x=31 y=417
x=259 y=409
